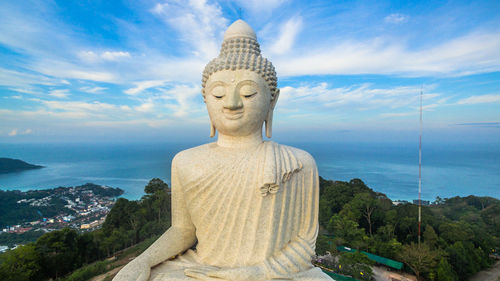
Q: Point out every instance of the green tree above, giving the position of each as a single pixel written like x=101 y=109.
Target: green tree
x=444 y=271
x=386 y=232
x=157 y=197
x=430 y=236
x=20 y=264
x=325 y=212
x=365 y=204
x=322 y=245
x=88 y=249
x=491 y=217
x=420 y=258
x=155 y=185
x=456 y=231
x=57 y=252
x=335 y=194
x=460 y=260
x=357 y=265
x=388 y=249
x=346 y=230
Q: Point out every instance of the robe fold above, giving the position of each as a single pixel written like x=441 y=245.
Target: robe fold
x=253 y=206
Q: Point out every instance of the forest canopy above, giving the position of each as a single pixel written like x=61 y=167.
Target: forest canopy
x=458 y=234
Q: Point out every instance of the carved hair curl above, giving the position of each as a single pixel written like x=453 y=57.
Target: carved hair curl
x=242 y=53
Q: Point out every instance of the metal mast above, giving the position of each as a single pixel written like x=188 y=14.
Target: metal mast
x=420 y=172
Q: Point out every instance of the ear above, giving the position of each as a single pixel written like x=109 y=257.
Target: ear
x=269 y=118
x=212 y=127
x=212 y=130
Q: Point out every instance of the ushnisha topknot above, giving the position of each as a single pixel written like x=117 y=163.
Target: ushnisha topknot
x=240 y=50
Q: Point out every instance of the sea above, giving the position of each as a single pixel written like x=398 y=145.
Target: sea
x=448 y=170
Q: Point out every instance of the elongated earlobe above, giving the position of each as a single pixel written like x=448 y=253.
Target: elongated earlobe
x=269 y=123
x=269 y=118
x=212 y=130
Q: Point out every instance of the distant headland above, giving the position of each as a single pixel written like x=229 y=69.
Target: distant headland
x=9 y=165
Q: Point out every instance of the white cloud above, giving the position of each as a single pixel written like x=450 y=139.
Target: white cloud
x=24 y=90
x=93 y=90
x=15 y=132
x=187 y=99
x=480 y=99
x=472 y=53
x=78 y=106
x=396 y=18
x=84 y=75
x=88 y=56
x=139 y=122
x=180 y=70
x=67 y=70
x=145 y=107
x=363 y=96
x=61 y=93
x=199 y=23
x=91 y=56
x=415 y=110
x=90 y=75
x=20 y=81
x=288 y=33
x=114 y=55
x=144 y=85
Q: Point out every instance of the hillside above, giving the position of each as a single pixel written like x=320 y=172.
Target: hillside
x=460 y=236
x=9 y=165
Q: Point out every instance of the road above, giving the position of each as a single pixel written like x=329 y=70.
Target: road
x=490 y=274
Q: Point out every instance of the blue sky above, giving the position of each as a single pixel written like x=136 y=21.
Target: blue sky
x=348 y=70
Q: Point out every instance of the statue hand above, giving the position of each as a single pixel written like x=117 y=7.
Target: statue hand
x=246 y=273
x=136 y=270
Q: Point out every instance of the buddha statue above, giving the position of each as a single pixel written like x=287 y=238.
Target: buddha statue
x=242 y=208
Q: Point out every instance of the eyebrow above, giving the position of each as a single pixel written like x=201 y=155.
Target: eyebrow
x=247 y=81
x=217 y=83
x=224 y=83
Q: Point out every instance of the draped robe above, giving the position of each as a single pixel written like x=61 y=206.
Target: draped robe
x=251 y=206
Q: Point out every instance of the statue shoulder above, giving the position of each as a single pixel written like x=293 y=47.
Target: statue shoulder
x=186 y=158
x=305 y=158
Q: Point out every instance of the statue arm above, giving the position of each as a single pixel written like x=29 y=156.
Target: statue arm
x=181 y=235
x=296 y=256
x=178 y=238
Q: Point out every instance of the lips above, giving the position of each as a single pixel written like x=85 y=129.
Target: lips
x=233 y=115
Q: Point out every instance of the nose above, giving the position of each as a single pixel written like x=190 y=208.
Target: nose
x=233 y=100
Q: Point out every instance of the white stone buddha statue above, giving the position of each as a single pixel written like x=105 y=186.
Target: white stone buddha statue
x=242 y=208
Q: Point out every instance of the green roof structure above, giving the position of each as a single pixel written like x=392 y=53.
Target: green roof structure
x=338 y=277
x=378 y=259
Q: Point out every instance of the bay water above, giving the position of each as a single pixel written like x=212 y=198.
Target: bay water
x=392 y=168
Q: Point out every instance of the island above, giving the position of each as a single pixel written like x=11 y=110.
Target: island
x=9 y=165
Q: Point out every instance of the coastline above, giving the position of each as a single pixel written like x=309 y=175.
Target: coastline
x=447 y=171
x=48 y=209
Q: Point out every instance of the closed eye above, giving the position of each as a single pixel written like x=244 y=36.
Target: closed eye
x=218 y=97
x=251 y=95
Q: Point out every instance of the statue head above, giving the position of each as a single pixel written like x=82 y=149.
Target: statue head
x=240 y=86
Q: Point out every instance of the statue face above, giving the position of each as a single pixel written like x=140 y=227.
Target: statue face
x=237 y=101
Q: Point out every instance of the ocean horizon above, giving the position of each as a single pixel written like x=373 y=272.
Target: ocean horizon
x=448 y=170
